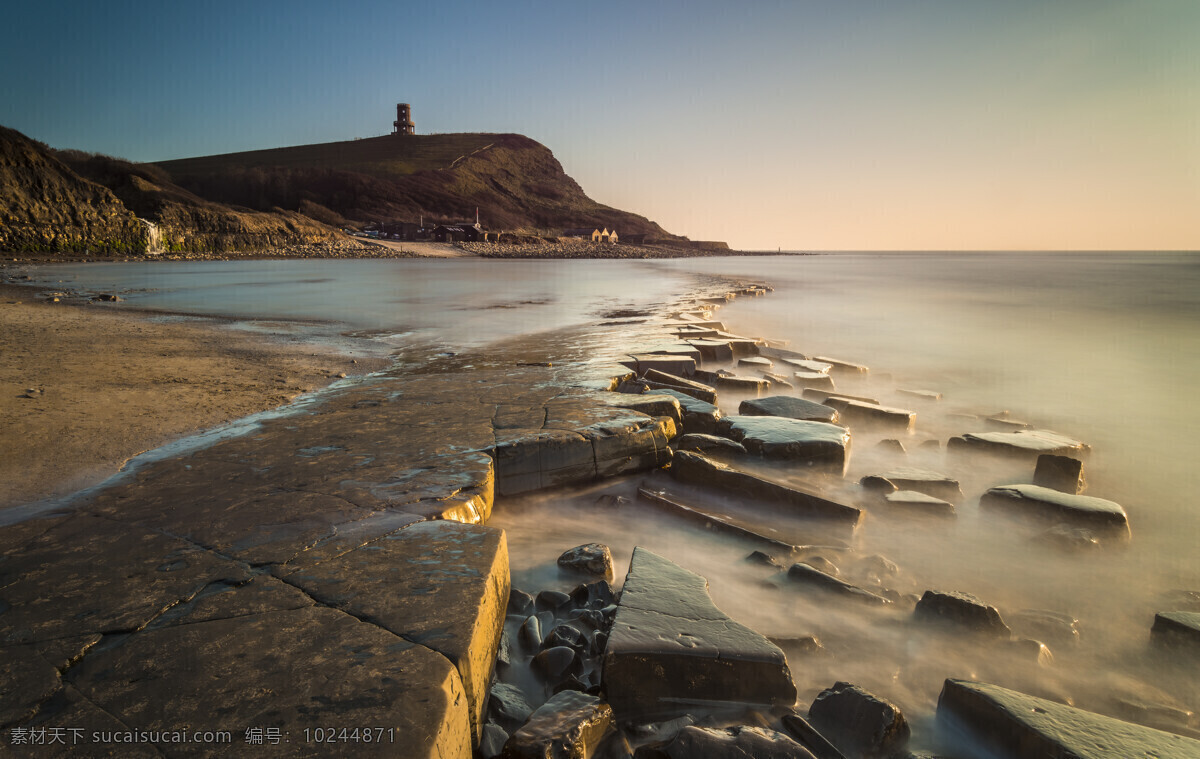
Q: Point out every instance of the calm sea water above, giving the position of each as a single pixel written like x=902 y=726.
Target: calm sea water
x=1102 y=347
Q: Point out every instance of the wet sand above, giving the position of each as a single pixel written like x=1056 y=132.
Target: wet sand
x=109 y=384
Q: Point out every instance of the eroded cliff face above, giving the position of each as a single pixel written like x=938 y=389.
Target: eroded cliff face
x=45 y=207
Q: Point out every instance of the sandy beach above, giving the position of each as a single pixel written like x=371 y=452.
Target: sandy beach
x=109 y=384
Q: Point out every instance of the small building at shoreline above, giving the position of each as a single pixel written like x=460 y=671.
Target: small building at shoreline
x=592 y=233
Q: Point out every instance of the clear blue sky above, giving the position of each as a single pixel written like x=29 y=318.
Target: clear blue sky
x=809 y=125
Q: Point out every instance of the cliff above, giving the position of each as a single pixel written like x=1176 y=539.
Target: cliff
x=516 y=183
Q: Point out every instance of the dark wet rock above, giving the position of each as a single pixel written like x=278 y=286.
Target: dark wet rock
x=589 y=618
x=590 y=559
x=552 y=600
x=1177 y=629
x=816 y=561
x=891 y=444
x=494 y=738
x=665 y=730
x=1059 y=473
x=1064 y=537
x=235 y=667
x=554 y=664
x=809 y=737
x=873 y=415
x=788 y=407
x=684 y=366
x=593 y=595
x=1029 y=651
x=813 y=443
x=709 y=443
x=716 y=522
x=1046 y=504
x=812 y=577
x=571 y=683
x=931 y=445
x=565 y=635
x=570 y=725
x=741 y=742
x=671 y=649
x=962 y=610
x=108 y=298
x=1012 y=725
x=612 y=501
x=911 y=478
x=842 y=367
x=530 y=634
x=662 y=380
x=765 y=559
x=508 y=707
x=650 y=404
x=616 y=746
x=696 y=469
x=859 y=723
x=1023 y=443
x=698 y=415
x=1043 y=624
x=519 y=602
x=914 y=502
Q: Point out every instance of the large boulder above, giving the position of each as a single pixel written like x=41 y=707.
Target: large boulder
x=788 y=407
x=1006 y=724
x=1053 y=505
x=593 y=559
x=695 y=469
x=961 y=610
x=812 y=443
x=568 y=726
x=859 y=723
x=739 y=742
x=671 y=650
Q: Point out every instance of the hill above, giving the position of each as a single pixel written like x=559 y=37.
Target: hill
x=516 y=183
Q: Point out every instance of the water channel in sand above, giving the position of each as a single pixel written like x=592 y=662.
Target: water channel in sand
x=1102 y=347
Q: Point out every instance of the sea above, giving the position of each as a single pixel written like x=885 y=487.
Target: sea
x=1102 y=347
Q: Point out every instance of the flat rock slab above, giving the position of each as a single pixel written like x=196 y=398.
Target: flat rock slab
x=1012 y=725
x=821 y=396
x=1047 y=504
x=873 y=415
x=919 y=503
x=810 y=576
x=1017 y=443
x=808 y=365
x=444 y=585
x=755 y=362
x=842 y=367
x=713 y=349
x=788 y=407
x=813 y=443
x=671 y=650
x=820 y=380
x=292 y=670
x=650 y=404
x=642 y=363
x=695 y=469
x=713 y=443
x=703 y=392
x=1179 y=629
x=912 y=478
x=698 y=416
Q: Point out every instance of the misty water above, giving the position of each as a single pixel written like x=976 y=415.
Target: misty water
x=1104 y=348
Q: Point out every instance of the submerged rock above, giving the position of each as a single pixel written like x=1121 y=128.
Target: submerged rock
x=1059 y=473
x=910 y=478
x=859 y=723
x=812 y=577
x=590 y=559
x=742 y=742
x=1177 y=629
x=919 y=503
x=671 y=650
x=791 y=439
x=840 y=366
x=570 y=724
x=693 y=468
x=1011 y=725
x=808 y=365
x=962 y=610
x=1043 y=624
x=755 y=362
x=788 y=407
x=1044 y=503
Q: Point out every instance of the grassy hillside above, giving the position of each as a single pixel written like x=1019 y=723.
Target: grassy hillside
x=515 y=182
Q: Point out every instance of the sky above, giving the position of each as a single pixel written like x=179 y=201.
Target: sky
x=836 y=125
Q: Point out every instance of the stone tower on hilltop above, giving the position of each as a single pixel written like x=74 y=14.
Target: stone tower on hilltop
x=403 y=123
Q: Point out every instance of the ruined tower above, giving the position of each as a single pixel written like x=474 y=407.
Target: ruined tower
x=403 y=123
